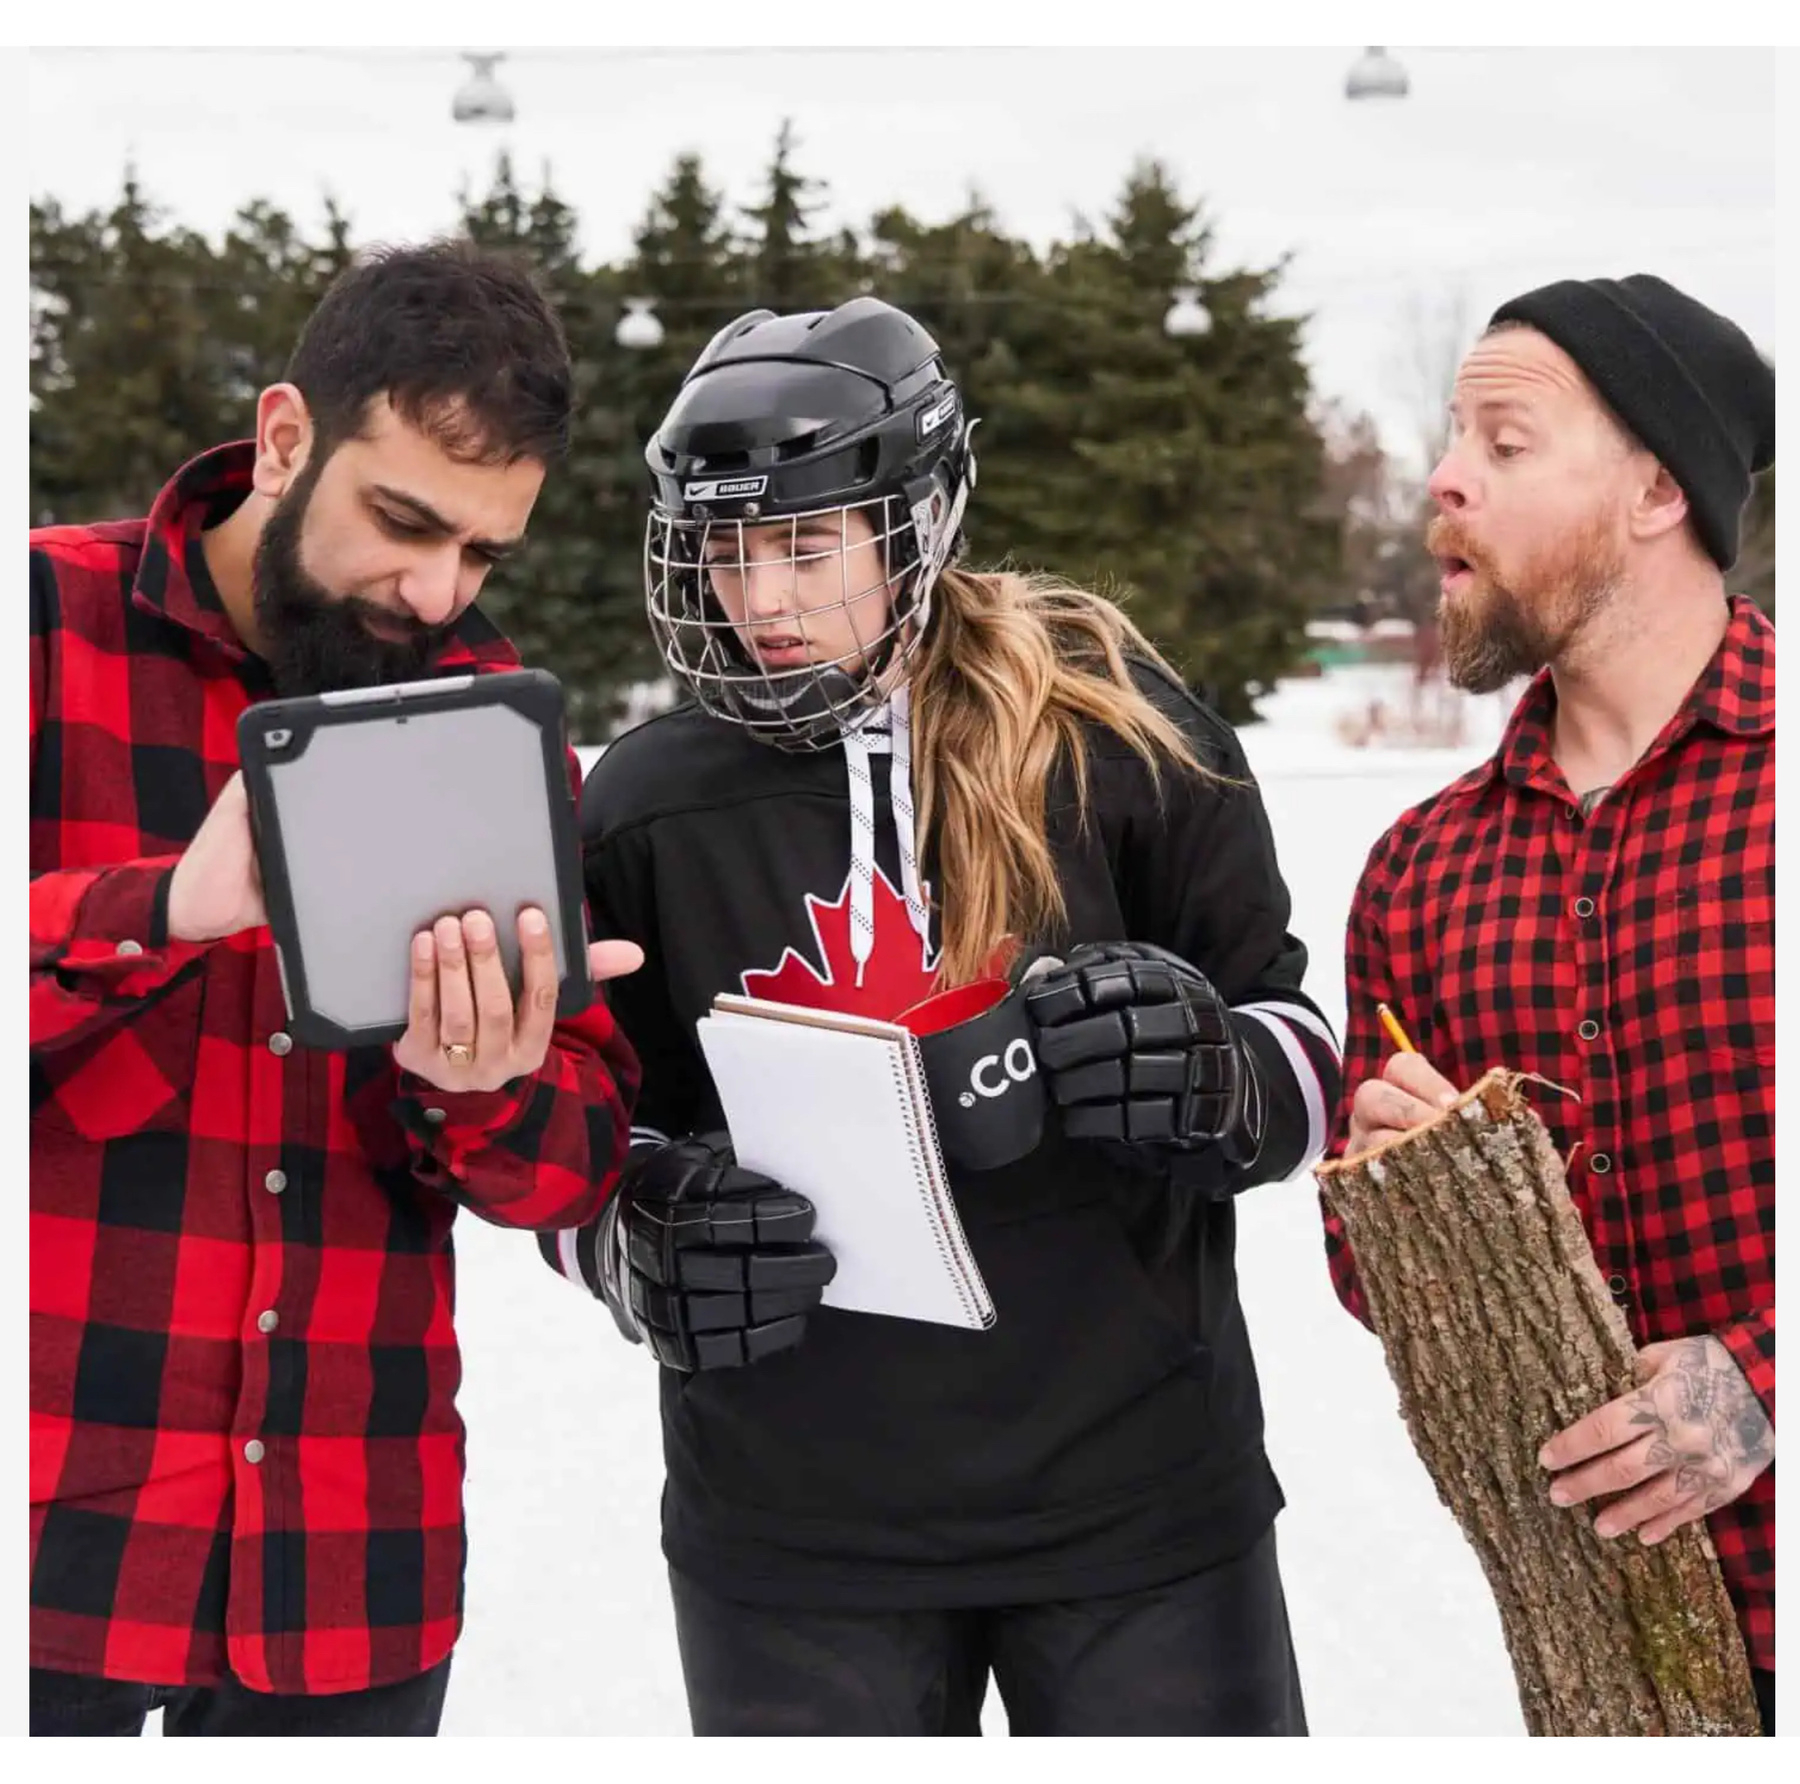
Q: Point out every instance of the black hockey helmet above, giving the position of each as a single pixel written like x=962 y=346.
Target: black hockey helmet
x=783 y=418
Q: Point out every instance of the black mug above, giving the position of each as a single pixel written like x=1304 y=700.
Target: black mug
x=981 y=1070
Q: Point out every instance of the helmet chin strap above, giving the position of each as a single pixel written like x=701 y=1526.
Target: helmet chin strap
x=884 y=677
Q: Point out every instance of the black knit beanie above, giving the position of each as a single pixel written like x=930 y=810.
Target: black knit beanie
x=1686 y=382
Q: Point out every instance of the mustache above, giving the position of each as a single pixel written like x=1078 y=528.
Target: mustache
x=393 y=626
x=1444 y=538
x=300 y=596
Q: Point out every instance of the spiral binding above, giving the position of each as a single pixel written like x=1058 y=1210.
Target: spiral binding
x=946 y=1224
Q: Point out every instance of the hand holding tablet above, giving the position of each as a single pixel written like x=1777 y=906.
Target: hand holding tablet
x=216 y=888
x=463 y=1032
x=414 y=850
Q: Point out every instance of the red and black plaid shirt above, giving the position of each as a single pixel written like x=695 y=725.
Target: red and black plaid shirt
x=245 y=1451
x=1629 y=957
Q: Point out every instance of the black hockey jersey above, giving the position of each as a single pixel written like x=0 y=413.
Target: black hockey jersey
x=1106 y=1433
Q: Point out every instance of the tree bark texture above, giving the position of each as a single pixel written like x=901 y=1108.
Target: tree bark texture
x=1499 y=1332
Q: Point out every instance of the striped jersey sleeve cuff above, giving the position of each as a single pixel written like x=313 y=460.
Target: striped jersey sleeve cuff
x=1314 y=1058
x=561 y=1250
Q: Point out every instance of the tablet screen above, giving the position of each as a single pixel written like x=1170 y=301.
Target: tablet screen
x=388 y=824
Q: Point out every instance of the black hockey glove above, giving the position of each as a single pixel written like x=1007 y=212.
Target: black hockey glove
x=706 y=1263
x=1138 y=1047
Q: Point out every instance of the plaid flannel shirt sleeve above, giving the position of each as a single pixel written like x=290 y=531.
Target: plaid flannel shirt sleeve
x=99 y=935
x=99 y=946
x=1751 y=1342
x=543 y=1152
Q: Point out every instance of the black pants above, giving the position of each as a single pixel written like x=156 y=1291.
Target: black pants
x=69 y=1703
x=1765 y=1697
x=1209 y=1654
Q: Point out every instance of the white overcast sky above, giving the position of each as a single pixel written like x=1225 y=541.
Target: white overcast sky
x=1504 y=168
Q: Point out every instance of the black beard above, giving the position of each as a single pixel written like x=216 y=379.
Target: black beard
x=316 y=642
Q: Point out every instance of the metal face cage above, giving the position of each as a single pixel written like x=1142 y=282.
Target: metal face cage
x=698 y=571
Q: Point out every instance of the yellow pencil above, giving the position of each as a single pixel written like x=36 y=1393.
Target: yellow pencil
x=1396 y=1033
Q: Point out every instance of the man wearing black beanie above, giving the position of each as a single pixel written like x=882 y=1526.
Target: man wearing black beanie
x=1595 y=904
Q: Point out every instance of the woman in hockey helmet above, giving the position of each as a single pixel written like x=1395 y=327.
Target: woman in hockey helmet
x=865 y=1516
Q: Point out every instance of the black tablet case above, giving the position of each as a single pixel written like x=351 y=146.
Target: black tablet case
x=377 y=811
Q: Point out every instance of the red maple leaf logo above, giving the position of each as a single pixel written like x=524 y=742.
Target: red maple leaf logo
x=900 y=972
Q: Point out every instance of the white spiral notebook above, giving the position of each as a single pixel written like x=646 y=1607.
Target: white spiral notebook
x=835 y=1106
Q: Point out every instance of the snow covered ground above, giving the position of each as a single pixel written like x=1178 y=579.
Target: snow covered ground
x=569 y=1629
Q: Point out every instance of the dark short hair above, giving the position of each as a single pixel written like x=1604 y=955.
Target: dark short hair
x=458 y=338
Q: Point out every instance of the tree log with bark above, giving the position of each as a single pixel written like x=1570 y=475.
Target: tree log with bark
x=1499 y=1333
